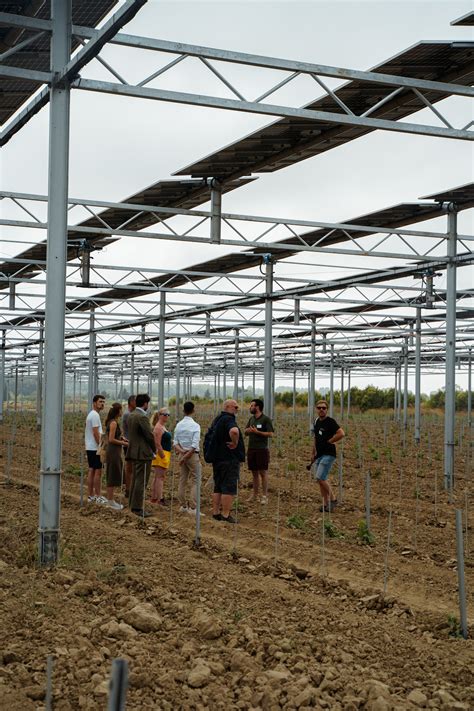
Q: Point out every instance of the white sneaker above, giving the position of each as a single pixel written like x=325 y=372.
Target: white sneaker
x=100 y=500
x=91 y=499
x=183 y=509
x=264 y=500
x=193 y=512
x=114 y=505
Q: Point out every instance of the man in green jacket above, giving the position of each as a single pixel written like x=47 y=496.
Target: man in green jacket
x=141 y=452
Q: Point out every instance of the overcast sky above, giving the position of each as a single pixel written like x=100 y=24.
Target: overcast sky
x=119 y=146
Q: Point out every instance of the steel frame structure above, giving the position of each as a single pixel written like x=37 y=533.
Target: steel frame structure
x=117 y=330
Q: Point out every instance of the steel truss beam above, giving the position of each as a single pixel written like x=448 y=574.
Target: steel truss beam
x=177 y=97
x=206 y=54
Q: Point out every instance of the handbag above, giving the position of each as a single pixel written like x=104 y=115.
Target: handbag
x=102 y=448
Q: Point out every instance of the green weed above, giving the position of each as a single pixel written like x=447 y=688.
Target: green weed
x=331 y=531
x=297 y=521
x=363 y=533
x=454 y=627
x=73 y=470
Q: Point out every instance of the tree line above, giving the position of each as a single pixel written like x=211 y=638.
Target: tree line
x=373 y=398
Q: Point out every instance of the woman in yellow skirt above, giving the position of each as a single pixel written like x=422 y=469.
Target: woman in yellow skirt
x=161 y=463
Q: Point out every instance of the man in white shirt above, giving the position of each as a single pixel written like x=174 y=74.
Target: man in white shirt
x=93 y=433
x=186 y=444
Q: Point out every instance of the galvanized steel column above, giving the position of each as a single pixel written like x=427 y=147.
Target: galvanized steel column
x=469 y=389
x=51 y=440
x=161 y=351
x=39 y=379
x=294 y=392
x=132 y=372
x=331 y=383
x=395 y=399
x=312 y=374
x=418 y=376
x=216 y=208
x=224 y=381
x=92 y=346
x=268 y=356
x=405 y=384
x=348 y=394
x=450 y=379
x=2 y=373
x=178 y=376
x=342 y=393
x=235 y=392
x=399 y=405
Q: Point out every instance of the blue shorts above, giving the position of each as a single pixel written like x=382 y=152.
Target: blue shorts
x=322 y=467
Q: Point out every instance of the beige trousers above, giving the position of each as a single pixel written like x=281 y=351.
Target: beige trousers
x=189 y=470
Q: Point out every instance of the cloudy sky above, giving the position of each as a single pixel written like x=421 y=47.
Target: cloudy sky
x=119 y=145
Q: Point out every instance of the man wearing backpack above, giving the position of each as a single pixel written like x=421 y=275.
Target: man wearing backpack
x=224 y=447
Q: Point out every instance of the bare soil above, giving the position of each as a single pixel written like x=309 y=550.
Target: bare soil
x=261 y=615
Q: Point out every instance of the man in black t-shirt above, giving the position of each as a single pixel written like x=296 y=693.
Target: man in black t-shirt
x=230 y=452
x=259 y=430
x=326 y=433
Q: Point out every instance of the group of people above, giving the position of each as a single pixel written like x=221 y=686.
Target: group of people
x=133 y=446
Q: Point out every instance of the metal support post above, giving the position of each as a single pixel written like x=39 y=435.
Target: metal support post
x=11 y=296
x=2 y=374
x=331 y=383
x=216 y=210
x=399 y=402
x=450 y=380
x=460 y=567
x=74 y=376
x=39 y=379
x=224 y=382
x=215 y=394
x=348 y=411
x=235 y=393
x=268 y=356
x=178 y=376
x=342 y=393
x=92 y=346
x=418 y=376
x=118 y=685
x=297 y=311
x=51 y=440
x=15 y=402
x=312 y=374
x=405 y=384
x=395 y=393
x=294 y=391
x=272 y=410
x=132 y=372
x=469 y=389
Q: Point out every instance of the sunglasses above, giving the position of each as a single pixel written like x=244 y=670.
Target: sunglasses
x=165 y=414
x=321 y=408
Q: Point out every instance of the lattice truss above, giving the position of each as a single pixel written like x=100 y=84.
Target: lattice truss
x=214 y=315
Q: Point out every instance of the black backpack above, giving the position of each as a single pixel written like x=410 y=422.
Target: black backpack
x=211 y=444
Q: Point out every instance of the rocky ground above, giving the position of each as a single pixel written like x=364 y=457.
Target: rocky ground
x=264 y=615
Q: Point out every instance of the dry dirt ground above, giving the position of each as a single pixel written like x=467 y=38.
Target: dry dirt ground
x=262 y=615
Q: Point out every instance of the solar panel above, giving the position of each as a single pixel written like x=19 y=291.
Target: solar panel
x=462 y=195
x=466 y=20
x=391 y=217
x=185 y=194
x=291 y=140
x=15 y=92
